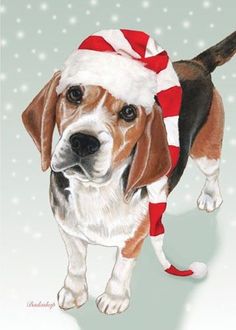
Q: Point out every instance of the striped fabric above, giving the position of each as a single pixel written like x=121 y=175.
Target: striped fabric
x=151 y=76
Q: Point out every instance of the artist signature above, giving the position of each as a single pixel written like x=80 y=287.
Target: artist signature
x=40 y=304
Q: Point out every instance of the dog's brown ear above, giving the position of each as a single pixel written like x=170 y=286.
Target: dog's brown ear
x=151 y=158
x=39 y=119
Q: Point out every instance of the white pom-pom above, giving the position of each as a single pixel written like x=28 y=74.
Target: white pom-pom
x=199 y=269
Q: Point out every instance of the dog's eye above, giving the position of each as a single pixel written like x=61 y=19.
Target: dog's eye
x=74 y=94
x=128 y=112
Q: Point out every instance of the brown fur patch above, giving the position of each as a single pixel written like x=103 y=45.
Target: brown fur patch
x=68 y=112
x=133 y=245
x=125 y=135
x=208 y=141
x=187 y=70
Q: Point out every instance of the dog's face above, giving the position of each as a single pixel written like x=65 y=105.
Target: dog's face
x=98 y=133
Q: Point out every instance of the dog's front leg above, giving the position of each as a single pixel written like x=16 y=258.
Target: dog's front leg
x=74 y=293
x=116 y=297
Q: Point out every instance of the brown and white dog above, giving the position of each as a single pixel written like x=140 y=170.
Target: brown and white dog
x=93 y=193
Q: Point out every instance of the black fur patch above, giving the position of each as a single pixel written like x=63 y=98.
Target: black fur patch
x=59 y=181
x=197 y=97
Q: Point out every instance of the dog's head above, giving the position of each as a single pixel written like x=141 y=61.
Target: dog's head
x=98 y=133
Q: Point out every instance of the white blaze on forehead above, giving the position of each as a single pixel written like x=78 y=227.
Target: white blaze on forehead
x=125 y=78
x=92 y=121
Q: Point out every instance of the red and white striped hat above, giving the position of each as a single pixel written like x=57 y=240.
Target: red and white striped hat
x=134 y=68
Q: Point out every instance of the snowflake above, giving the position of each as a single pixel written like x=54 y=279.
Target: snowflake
x=188 y=197
x=190 y=13
x=233 y=75
x=212 y=25
x=233 y=142
x=118 y=5
x=40 y=214
x=230 y=190
x=39 y=31
x=15 y=200
x=3 y=76
x=8 y=106
x=114 y=18
x=33 y=51
x=186 y=24
x=93 y=2
x=158 y=31
x=145 y=4
x=42 y=56
x=87 y=12
x=2 y=9
x=54 y=17
x=28 y=6
x=185 y=41
x=73 y=20
x=230 y=99
x=16 y=55
x=3 y=42
x=37 y=235
x=56 y=50
x=201 y=43
x=165 y=10
x=138 y=19
x=24 y=88
x=219 y=9
x=64 y=31
x=97 y=23
x=20 y=34
x=69 y=5
x=44 y=6
x=169 y=27
x=18 y=20
x=206 y=4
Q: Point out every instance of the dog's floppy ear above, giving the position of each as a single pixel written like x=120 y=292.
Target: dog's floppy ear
x=39 y=119
x=151 y=159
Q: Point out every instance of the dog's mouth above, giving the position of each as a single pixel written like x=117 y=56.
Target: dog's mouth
x=80 y=173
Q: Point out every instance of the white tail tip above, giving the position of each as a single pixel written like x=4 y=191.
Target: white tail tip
x=199 y=270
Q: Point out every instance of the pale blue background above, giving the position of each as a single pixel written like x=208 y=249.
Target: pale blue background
x=37 y=36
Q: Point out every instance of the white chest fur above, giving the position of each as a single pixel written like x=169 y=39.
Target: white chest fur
x=100 y=215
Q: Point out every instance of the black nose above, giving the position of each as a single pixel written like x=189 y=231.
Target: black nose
x=83 y=144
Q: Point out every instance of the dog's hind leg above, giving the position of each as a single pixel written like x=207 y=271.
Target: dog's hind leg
x=206 y=152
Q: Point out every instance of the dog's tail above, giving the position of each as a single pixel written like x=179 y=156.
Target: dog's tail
x=219 y=54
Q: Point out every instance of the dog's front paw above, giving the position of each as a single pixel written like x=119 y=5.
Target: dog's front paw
x=112 y=304
x=67 y=299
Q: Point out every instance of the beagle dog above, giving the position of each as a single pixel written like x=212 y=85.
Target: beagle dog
x=93 y=197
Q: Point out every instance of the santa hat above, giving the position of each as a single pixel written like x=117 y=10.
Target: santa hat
x=134 y=68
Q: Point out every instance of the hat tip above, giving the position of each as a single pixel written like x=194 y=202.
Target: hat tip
x=199 y=270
